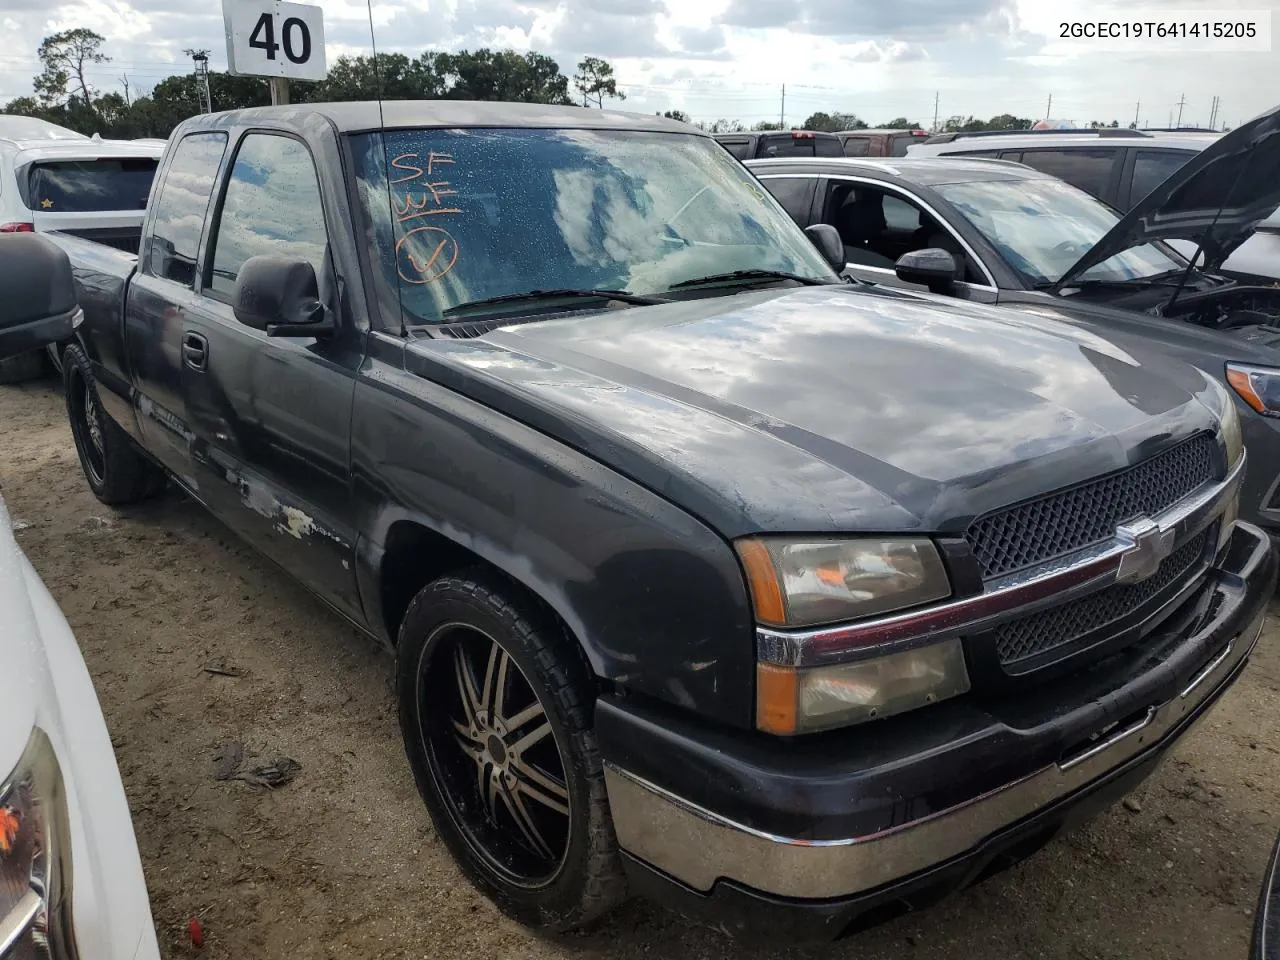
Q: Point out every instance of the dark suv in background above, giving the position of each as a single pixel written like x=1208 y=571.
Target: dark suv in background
x=781 y=143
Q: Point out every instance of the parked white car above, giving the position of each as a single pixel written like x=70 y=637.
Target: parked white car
x=52 y=178
x=70 y=875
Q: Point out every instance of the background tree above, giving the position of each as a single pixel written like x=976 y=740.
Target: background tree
x=677 y=115
x=901 y=123
x=833 y=122
x=765 y=125
x=595 y=81
x=64 y=57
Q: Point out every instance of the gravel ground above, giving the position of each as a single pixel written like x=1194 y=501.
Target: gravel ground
x=343 y=862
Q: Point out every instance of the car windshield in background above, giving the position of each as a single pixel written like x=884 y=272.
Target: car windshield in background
x=90 y=186
x=475 y=214
x=1042 y=227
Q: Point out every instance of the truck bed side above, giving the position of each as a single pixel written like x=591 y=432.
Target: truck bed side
x=102 y=275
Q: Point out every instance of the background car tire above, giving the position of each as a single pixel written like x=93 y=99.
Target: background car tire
x=24 y=367
x=452 y=614
x=117 y=471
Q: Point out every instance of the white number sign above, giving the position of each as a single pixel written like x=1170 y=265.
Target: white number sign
x=271 y=38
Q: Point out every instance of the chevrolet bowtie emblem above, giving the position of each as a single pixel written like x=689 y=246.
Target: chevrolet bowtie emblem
x=1146 y=547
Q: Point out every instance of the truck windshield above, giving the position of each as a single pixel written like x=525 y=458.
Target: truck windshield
x=469 y=215
x=90 y=186
x=1042 y=227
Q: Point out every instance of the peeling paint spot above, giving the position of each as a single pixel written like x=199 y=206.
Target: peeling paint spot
x=296 y=523
x=702 y=666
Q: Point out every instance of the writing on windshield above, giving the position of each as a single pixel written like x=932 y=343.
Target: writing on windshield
x=460 y=216
x=424 y=253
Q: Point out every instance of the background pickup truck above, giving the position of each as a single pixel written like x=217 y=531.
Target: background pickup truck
x=708 y=575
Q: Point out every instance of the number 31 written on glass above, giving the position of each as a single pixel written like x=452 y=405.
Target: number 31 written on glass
x=269 y=38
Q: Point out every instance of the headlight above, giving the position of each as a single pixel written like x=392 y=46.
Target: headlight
x=1259 y=387
x=35 y=871
x=793 y=700
x=805 y=582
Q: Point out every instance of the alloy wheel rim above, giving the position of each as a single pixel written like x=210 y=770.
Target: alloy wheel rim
x=91 y=437
x=494 y=755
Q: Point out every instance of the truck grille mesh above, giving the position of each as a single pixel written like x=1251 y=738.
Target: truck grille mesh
x=1031 y=533
x=1040 y=632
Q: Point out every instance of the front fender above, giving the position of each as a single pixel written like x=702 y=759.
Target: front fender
x=656 y=598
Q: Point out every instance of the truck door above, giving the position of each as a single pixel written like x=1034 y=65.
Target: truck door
x=162 y=295
x=271 y=416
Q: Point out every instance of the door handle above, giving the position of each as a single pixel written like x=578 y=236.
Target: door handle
x=195 y=351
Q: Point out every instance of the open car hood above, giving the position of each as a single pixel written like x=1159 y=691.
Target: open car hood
x=1216 y=199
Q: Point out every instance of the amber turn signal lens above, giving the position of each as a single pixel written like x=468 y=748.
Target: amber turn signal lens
x=762 y=577
x=1241 y=382
x=776 y=699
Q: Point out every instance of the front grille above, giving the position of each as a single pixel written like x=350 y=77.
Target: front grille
x=1031 y=533
x=1039 y=633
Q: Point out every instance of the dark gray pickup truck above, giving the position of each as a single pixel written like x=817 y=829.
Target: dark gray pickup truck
x=709 y=576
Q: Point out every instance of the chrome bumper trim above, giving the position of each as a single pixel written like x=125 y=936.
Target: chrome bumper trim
x=697 y=846
x=1016 y=595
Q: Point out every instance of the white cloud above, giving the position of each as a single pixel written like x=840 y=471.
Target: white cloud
x=730 y=58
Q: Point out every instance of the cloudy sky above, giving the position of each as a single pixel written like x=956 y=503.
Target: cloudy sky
x=730 y=58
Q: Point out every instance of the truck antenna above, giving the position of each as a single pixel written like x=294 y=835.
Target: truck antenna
x=386 y=156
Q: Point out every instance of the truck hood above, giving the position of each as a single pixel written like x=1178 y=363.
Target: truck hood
x=1215 y=200
x=22 y=662
x=831 y=408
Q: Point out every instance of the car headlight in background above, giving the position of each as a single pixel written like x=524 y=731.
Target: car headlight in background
x=1259 y=387
x=805 y=582
x=808 y=581
x=35 y=862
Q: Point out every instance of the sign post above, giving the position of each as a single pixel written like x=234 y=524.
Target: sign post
x=275 y=39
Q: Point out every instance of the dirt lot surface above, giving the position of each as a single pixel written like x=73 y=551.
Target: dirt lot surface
x=343 y=862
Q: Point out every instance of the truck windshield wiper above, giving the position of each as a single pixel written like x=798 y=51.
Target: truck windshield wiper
x=750 y=275
x=533 y=296
x=1167 y=279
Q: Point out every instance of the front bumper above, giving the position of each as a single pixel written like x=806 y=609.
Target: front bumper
x=844 y=827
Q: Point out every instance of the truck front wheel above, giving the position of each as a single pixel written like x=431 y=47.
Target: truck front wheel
x=495 y=709
x=117 y=471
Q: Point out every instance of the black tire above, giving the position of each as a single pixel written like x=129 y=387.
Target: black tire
x=509 y=843
x=117 y=471
x=23 y=367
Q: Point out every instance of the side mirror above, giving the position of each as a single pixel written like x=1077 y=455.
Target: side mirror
x=827 y=239
x=281 y=296
x=931 y=267
x=38 y=293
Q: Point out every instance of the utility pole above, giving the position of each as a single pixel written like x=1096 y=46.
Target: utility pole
x=782 y=110
x=1136 y=109
x=1213 y=115
x=1181 y=103
x=1049 y=109
x=935 y=113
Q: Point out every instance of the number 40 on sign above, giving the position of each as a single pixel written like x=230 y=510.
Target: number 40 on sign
x=268 y=38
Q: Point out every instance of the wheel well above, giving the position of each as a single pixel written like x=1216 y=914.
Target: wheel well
x=416 y=555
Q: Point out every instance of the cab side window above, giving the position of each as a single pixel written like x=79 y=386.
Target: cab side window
x=181 y=207
x=1088 y=169
x=857 y=146
x=272 y=206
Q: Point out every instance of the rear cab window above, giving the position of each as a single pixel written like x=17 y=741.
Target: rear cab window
x=739 y=148
x=800 y=144
x=181 y=207
x=89 y=186
x=1090 y=168
x=857 y=146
